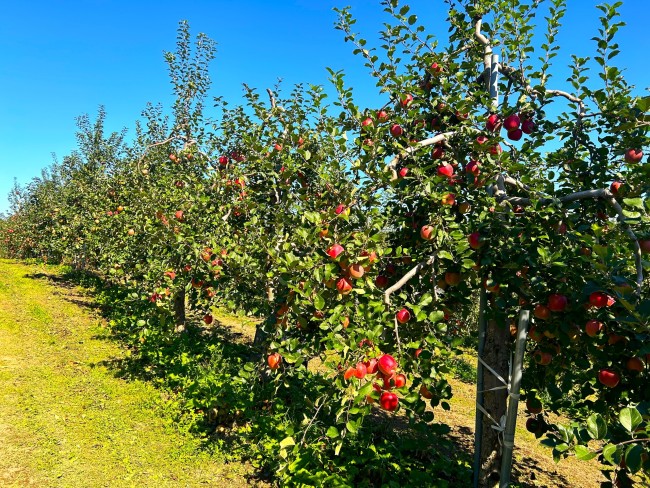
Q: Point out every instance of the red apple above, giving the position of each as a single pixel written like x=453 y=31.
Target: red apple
x=608 y=377
x=542 y=358
x=356 y=271
x=403 y=172
x=403 y=316
x=367 y=122
x=593 y=328
x=407 y=100
x=493 y=123
x=541 y=312
x=382 y=116
x=223 y=160
x=426 y=232
x=349 y=373
x=387 y=364
x=361 y=370
x=475 y=240
x=277 y=147
x=207 y=318
x=274 y=360
x=473 y=167
x=396 y=130
x=446 y=170
x=344 y=286
x=436 y=68
x=452 y=278
x=600 y=299
x=511 y=122
x=389 y=401
x=515 y=134
x=449 y=199
x=633 y=156
x=424 y=391
x=339 y=209
x=335 y=250
x=438 y=153
x=635 y=364
x=496 y=149
x=482 y=140
x=131 y=232
x=528 y=126
x=615 y=187
x=400 y=381
x=381 y=281
x=533 y=405
x=557 y=303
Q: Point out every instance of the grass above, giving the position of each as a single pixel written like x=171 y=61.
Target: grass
x=66 y=420
x=69 y=418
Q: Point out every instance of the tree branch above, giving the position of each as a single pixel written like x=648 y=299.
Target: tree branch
x=407 y=277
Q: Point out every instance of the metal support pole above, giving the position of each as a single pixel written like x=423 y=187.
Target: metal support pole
x=478 y=427
x=494 y=82
x=513 y=403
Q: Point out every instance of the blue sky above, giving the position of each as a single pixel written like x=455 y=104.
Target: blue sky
x=64 y=58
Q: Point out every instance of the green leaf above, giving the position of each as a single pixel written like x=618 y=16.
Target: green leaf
x=596 y=426
x=634 y=202
x=610 y=454
x=332 y=432
x=633 y=457
x=287 y=442
x=630 y=418
x=583 y=453
x=319 y=302
x=351 y=426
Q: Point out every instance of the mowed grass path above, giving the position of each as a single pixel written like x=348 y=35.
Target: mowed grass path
x=66 y=420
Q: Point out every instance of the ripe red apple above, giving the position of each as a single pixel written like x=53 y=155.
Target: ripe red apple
x=448 y=199
x=436 y=68
x=349 y=373
x=635 y=364
x=496 y=149
x=557 y=303
x=274 y=360
x=173 y=157
x=407 y=100
x=633 y=156
x=400 y=381
x=446 y=170
x=515 y=134
x=382 y=116
x=356 y=271
x=438 y=153
x=371 y=366
x=344 y=286
x=170 y=274
x=387 y=364
x=475 y=240
x=179 y=215
x=426 y=232
x=452 y=278
x=608 y=377
x=339 y=209
x=535 y=334
x=615 y=187
x=493 y=123
x=511 y=122
x=600 y=299
x=528 y=126
x=403 y=172
x=425 y=393
x=403 y=316
x=381 y=281
x=542 y=358
x=335 y=250
x=277 y=147
x=482 y=140
x=542 y=312
x=593 y=328
x=223 y=160
x=473 y=167
x=361 y=370
x=396 y=130
x=207 y=318
x=389 y=401
x=368 y=122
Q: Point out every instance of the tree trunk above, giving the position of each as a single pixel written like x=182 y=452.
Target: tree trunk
x=496 y=355
x=179 y=310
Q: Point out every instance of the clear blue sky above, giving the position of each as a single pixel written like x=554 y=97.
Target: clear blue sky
x=63 y=58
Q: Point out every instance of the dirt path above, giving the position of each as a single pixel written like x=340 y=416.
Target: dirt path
x=65 y=419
